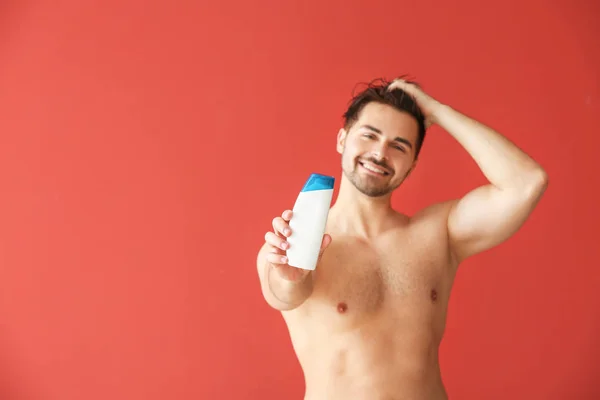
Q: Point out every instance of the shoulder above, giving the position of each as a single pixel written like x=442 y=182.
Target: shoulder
x=430 y=218
x=433 y=214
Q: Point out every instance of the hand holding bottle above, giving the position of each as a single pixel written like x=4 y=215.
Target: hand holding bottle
x=278 y=246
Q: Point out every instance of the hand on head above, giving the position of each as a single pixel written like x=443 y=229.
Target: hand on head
x=428 y=105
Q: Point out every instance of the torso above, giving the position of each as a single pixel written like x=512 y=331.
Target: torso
x=373 y=324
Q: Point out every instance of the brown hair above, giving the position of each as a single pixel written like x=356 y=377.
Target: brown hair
x=376 y=90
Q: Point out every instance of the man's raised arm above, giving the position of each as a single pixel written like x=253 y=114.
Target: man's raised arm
x=492 y=213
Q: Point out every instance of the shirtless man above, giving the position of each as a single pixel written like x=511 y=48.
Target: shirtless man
x=368 y=322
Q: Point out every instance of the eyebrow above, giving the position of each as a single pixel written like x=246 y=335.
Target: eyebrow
x=397 y=138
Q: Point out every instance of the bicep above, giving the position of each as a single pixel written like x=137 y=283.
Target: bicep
x=486 y=217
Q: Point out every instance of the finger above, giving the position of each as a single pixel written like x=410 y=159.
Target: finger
x=276 y=241
x=287 y=215
x=276 y=250
x=281 y=227
x=410 y=88
x=397 y=84
x=325 y=243
x=277 y=259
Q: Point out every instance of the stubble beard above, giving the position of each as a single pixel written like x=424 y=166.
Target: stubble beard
x=370 y=186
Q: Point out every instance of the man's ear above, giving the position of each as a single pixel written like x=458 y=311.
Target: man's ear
x=341 y=140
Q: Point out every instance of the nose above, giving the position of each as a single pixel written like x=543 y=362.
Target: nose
x=377 y=155
x=379 y=152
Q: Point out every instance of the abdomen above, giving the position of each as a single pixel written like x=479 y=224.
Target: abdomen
x=378 y=360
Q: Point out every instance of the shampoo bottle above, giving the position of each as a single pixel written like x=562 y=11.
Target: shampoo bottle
x=308 y=221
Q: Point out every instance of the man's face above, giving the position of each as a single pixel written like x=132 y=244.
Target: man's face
x=378 y=152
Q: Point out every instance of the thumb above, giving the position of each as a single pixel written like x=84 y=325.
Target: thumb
x=325 y=243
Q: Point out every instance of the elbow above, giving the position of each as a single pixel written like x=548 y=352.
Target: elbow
x=540 y=180
x=537 y=183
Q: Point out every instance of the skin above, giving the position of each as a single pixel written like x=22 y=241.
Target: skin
x=367 y=323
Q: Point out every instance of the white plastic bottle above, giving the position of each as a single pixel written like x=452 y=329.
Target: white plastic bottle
x=309 y=220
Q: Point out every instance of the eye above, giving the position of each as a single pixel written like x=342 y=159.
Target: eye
x=368 y=135
x=402 y=149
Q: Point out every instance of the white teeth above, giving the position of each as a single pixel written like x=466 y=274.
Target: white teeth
x=371 y=168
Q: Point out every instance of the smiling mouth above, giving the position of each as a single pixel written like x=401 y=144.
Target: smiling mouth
x=373 y=168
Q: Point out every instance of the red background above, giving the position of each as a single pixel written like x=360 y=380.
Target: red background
x=146 y=146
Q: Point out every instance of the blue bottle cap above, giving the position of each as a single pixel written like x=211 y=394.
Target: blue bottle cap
x=318 y=182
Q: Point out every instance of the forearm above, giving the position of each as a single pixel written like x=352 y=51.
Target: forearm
x=502 y=162
x=283 y=294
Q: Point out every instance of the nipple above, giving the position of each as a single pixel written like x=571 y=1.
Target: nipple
x=433 y=295
x=342 y=307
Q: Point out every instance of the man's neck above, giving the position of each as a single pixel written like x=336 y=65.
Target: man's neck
x=355 y=213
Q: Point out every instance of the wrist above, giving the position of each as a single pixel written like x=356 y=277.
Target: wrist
x=292 y=293
x=292 y=280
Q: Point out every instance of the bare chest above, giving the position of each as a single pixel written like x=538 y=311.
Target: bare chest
x=357 y=280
